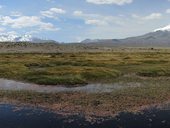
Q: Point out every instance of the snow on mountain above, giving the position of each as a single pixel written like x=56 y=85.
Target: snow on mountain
x=166 y=28
x=17 y=38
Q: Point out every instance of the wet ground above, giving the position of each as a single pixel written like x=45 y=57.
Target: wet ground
x=90 y=88
x=13 y=117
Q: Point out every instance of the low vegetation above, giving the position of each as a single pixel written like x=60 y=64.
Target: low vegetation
x=149 y=68
x=76 y=69
x=156 y=91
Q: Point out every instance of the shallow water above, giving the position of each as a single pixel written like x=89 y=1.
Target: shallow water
x=90 y=88
x=12 y=117
x=154 y=118
x=26 y=117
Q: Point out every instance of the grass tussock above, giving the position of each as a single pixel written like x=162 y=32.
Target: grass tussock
x=81 y=68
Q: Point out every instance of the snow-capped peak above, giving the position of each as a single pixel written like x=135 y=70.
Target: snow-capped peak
x=166 y=28
x=16 y=38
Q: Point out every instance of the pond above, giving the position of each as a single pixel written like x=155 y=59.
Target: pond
x=89 y=88
x=12 y=116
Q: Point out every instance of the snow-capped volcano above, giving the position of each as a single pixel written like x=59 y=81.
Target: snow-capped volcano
x=17 y=38
x=166 y=28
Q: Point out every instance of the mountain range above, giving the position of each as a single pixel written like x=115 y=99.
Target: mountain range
x=23 y=38
x=158 y=38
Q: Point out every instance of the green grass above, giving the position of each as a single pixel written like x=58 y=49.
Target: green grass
x=59 y=80
x=81 y=68
x=151 y=69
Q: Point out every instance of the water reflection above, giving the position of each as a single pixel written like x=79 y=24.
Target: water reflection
x=90 y=88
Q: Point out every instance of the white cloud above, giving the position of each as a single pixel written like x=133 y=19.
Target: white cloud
x=2 y=29
x=97 y=19
x=118 y=2
x=168 y=11
x=48 y=27
x=11 y=33
x=95 y=22
x=26 y=21
x=52 y=12
x=86 y=16
x=78 y=13
x=152 y=16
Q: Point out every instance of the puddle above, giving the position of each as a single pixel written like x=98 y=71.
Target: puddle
x=90 y=88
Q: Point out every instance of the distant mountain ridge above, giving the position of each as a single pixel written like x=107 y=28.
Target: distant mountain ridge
x=159 y=37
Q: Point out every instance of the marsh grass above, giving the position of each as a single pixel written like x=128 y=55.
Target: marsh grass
x=81 y=68
x=71 y=69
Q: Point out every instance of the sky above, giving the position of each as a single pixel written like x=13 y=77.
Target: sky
x=76 y=20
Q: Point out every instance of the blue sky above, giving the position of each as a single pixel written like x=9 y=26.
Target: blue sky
x=76 y=20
